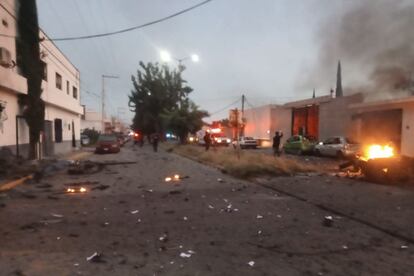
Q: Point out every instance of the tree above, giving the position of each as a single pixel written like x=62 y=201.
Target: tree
x=159 y=99
x=186 y=119
x=28 y=60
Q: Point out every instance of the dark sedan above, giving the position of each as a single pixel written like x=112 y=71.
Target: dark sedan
x=107 y=144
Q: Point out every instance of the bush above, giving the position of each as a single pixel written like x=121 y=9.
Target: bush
x=249 y=164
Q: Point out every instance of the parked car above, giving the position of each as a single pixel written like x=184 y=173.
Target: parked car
x=85 y=140
x=246 y=142
x=337 y=146
x=107 y=143
x=298 y=144
x=220 y=139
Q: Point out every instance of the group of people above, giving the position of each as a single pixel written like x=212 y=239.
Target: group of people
x=153 y=139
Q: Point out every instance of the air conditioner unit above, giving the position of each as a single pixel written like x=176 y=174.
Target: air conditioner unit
x=5 y=57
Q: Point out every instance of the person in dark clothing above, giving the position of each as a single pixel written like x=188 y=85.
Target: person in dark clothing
x=207 y=140
x=276 y=143
x=155 y=139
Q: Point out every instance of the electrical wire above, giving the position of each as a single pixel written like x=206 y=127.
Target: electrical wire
x=226 y=107
x=118 y=31
x=134 y=27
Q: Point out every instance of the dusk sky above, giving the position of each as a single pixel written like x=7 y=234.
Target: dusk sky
x=264 y=49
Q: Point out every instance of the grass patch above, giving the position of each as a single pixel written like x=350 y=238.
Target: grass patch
x=250 y=163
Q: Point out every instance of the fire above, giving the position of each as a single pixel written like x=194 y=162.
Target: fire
x=378 y=151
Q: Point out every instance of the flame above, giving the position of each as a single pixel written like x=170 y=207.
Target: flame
x=176 y=177
x=82 y=190
x=168 y=179
x=378 y=151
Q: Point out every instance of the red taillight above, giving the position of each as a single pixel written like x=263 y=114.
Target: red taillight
x=136 y=134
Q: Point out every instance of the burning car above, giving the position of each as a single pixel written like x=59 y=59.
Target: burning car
x=381 y=163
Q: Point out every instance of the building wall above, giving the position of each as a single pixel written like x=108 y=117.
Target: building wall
x=258 y=122
x=281 y=120
x=8 y=120
x=407 y=145
x=335 y=117
x=262 y=122
x=59 y=103
x=93 y=120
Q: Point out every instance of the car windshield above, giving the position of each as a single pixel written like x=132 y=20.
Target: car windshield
x=107 y=138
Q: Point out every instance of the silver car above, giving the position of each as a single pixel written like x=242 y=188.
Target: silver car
x=246 y=142
x=337 y=146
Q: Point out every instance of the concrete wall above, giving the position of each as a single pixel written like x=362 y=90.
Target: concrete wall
x=262 y=122
x=258 y=122
x=281 y=120
x=60 y=103
x=8 y=120
x=335 y=117
x=93 y=120
x=407 y=143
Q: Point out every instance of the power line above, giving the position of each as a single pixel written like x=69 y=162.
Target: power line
x=224 y=108
x=135 y=27
x=119 y=31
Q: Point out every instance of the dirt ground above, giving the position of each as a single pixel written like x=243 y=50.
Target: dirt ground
x=205 y=224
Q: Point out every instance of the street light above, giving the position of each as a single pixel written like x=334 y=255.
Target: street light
x=166 y=57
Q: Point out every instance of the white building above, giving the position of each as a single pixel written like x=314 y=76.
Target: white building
x=61 y=93
x=92 y=120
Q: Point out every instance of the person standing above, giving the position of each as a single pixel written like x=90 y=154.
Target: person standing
x=155 y=139
x=207 y=140
x=276 y=143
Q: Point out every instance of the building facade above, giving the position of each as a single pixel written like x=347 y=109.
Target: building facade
x=60 y=92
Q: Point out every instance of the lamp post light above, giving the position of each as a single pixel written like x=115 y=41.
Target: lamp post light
x=166 y=57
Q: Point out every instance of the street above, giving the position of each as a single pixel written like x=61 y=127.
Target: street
x=207 y=223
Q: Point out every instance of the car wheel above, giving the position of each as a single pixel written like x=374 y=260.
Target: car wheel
x=317 y=152
x=299 y=152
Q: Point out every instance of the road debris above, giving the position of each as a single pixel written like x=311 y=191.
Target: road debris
x=327 y=221
x=76 y=190
x=56 y=215
x=185 y=218
x=101 y=187
x=95 y=258
x=187 y=254
x=164 y=237
x=220 y=180
x=210 y=206
x=251 y=263
x=259 y=216
x=135 y=212
x=404 y=247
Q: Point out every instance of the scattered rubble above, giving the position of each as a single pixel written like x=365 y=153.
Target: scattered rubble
x=95 y=258
x=327 y=221
x=251 y=263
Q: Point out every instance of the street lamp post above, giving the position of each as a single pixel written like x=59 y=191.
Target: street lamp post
x=103 y=98
x=166 y=57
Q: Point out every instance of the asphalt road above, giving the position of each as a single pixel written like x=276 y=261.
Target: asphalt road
x=205 y=224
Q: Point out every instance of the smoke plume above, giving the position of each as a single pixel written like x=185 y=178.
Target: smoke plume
x=374 y=39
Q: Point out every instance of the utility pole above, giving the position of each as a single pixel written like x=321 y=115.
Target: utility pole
x=103 y=98
x=237 y=133
x=242 y=116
